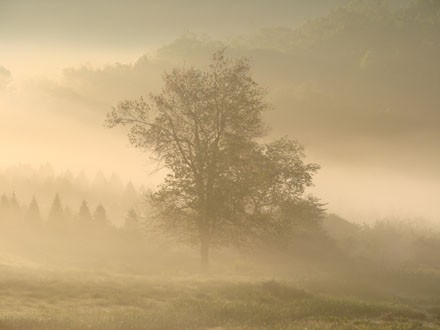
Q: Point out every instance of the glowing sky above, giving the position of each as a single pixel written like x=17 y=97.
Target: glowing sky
x=363 y=100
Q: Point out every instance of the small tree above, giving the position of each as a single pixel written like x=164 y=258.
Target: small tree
x=223 y=186
x=84 y=216
x=15 y=209
x=100 y=217
x=56 y=218
x=132 y=223
x=4 y=208
x=33 y=214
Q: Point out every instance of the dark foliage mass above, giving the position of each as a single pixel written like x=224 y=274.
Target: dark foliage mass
x=224 y=186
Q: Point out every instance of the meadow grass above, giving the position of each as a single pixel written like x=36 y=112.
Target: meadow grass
x=41 y=300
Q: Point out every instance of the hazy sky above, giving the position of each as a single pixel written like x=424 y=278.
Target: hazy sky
x=133 y=23
x=98 y=32
x=357 y=85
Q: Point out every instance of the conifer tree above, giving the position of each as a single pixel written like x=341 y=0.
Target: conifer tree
x=33 y=215
x=4 y=208
x=14 y=207
x=132 y=222
x=56 y=218
x=100 y=217
x=14 y=214
x=84 y=216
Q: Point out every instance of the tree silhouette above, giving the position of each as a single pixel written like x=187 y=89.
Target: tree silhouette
x=4 y=208
x=14 y=208
x=84 y=216
x=33 y=214
x=56 y=218
x=132 y=223
x=204 y=127
x=100 y=217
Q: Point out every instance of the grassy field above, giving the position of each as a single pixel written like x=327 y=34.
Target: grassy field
x=70 y=300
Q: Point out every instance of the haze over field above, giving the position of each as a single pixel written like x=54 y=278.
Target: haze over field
x=230 y=164
x=356 y=82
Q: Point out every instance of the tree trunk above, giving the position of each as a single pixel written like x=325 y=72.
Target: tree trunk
x=204 y=255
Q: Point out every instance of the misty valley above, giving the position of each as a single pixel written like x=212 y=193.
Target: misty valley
x=68 y=263
x=222 y=165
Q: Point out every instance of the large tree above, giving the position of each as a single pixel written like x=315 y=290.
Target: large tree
x=223 y=185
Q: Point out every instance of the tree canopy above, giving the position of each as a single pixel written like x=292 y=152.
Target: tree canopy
x=224 y=185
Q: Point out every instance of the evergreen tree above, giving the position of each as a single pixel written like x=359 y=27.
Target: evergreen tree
x=14 y=205
x=130 y=192
x=84 y=215
x=15 y=214
x=100 y=217
x=4 y=201
x=4 y=207
x=132 y=222
x=56 y=218
x=33 y=215
x=130 y=196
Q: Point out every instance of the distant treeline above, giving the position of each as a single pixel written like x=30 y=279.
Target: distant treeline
x=86 y=235
x=75 y=223
x=60 y=219
x=42 y=185
x=67 y=236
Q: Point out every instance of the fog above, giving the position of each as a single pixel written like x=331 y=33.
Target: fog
x=356 y=82
x=361 y=102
